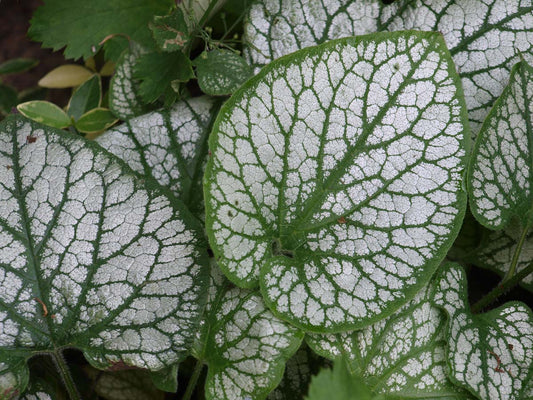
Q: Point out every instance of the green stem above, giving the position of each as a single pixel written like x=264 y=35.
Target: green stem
x=62 y=367
x=194 y=380
x=502 y=288
x=516 y=255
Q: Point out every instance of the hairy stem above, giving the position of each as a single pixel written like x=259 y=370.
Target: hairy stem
x=66 y=377
x=194 y=380
x=503 y=287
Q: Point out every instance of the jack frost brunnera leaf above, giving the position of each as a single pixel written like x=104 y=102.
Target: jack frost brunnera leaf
x=336 y=178
x=484 y=36
x=500 y=167
x=244 y=345
x=489 y=354
x=402 y=356
x=169 y=145
x=90 y=256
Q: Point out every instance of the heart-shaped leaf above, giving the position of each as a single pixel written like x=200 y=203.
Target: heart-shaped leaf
x=500 y=166
x=244 y=345
x=221 y=72
x=336 y=178
x=91 y=257
x=485 y=37
x=169 y=145
x=402 y=357
x=490 y=354
x=124 y=98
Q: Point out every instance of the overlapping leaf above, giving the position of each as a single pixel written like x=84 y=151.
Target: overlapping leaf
x=169 y=145
x=124 y=97
x=501 y=167
x=490 y=354
x=355 y=147
x=402 y=357
x=90 y=256
x=244 y=345
x=485 y=37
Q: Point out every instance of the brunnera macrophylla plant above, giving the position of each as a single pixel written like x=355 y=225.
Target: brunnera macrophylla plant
x=303 y=221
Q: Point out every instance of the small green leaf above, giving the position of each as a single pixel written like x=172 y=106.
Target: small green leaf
x=45 y=112
x=91 y=257
x=17 y=65
x=485 y=37
x=124 y=98
x=335 y=181
x=170 y=32
x=489 y=354
x=338 y=383
x=400 y=357
x=244 y=345
x=500 y=166
x=96 y=120
x=221 y=72
x=166 y=379
x=57 y=24
x=65 y=76
x=169 y=145
x=157 y=71
x=8 y=98
x=86 y=97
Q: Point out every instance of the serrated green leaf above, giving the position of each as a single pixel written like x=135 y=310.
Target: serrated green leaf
x=221 y=72
x=45 y=112
x=115 y=46
x=500 y=166
x=124 y=99
x=169 y=145
x=485 y=37
x=125 y=385
x=489 y=354
x=244 y=345
x=170 y=32
x=95 y=120
x=57 y=24
x=400 y=357
x=496 y=252
x=338 y=382
x=17 y=65
x=298 y=372
x=355 y=147
x=157 y=71
x=86 y=97
x=91 y=256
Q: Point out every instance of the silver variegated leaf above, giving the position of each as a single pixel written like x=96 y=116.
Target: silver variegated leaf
x=91 y=256
x=244 y=345
x=403 y=356
x=355 y=147
x=489 y=354
x=485 y=37
x=168 y=145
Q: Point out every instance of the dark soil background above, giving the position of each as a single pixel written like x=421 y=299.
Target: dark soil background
x=15 y=18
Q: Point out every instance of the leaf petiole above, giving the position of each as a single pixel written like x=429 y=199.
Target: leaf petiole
x=66 y=377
